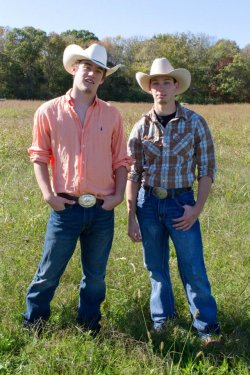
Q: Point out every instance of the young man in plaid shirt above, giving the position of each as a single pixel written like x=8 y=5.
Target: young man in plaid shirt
x=171 y=146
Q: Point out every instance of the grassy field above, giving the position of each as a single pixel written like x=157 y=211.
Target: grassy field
x=124 y=347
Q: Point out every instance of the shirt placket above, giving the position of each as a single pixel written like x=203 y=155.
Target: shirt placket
x=165 y=156
x=78 y=172
x=82 y=161
x=82 y=183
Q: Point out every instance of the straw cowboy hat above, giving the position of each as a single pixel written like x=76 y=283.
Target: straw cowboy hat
x=163 y=67
x=95 y=53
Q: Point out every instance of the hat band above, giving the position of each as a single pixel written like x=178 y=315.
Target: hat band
x=99 y=63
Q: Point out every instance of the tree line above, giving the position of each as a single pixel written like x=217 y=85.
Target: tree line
x=31 y=65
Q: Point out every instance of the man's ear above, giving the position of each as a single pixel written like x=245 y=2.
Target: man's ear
x=74 y=69
x=177 y=85
x=103 y=77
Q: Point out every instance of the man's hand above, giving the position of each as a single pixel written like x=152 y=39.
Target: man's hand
x=110 y=201
x=192 y=213
x=189 y=217
x=134 y=230
x=57 y=203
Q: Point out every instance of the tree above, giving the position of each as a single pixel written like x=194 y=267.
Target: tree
x=189 y=51
x=80 y=36
x=3 y=64
x=23 y=48
x=245 y=55
x=232 y=81
x=221 y=55
x=31 y=65
x=57 y=81
x=123 y=87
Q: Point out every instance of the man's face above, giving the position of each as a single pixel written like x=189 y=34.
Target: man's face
x=163 y=89
x=88 y=76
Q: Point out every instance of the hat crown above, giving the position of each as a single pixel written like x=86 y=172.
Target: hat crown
x=161 y=66
x=98 y=53
x=95 y=53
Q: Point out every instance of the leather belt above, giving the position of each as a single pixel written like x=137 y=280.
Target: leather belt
x=85 y=200
x=162 y=193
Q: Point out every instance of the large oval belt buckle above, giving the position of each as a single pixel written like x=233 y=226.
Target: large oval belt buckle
x=87 y=200
x=160 y=192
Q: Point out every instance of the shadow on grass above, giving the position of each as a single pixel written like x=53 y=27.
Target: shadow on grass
x=179 y=343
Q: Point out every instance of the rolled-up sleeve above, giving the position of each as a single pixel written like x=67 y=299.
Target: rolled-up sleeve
x=40 y=149
x=119 y=150
x=204 y=150
x=135 y=151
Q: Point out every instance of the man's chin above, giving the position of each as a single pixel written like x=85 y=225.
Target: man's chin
x=162 y=101
x=87 y=90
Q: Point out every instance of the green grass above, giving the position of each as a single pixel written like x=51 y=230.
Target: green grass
x=124 y=346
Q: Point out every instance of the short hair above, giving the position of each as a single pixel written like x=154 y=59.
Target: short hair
x=175 y=80
x=103 y=69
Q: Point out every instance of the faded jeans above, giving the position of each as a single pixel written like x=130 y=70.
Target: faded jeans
x=155 y=217
x=94 y=227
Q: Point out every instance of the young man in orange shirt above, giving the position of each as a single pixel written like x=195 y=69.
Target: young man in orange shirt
x=82 y=138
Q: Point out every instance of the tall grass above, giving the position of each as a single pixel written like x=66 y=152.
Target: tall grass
x=124 y=345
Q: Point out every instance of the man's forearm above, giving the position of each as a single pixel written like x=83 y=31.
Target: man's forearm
x=120 y=181
x=131 y=197
x=204 y=187
x=43 y=179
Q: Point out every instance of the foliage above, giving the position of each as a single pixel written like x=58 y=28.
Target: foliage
x=53 y=70
x=22 y=49
x=80 y=35
x=31 y=65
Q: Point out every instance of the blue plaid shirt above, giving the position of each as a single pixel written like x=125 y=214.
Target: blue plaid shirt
x=174 y=156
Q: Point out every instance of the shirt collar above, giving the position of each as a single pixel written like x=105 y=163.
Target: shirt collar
x=70 y=101
x=180 y=112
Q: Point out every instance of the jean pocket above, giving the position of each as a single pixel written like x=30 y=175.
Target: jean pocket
x=66 y=208
x=99 y=207
x=103 y=209
x=185 y=199
x=58 y=212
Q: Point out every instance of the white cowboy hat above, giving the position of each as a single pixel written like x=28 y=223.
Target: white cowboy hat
x=95 y=53
x=163 y=67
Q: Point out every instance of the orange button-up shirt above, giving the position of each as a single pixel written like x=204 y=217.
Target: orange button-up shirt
x=83 y=157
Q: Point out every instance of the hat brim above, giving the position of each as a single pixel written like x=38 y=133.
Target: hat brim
x=182 y=76
x=74 y=53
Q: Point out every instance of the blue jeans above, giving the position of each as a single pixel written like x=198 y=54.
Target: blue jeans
x=95 y=228
x=155 y=217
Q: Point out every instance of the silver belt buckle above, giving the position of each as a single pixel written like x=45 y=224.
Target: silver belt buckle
x=87 y=200
x=160 y=192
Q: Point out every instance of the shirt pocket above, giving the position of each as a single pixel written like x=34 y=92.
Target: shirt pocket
x=152 y=149
x=182 y=144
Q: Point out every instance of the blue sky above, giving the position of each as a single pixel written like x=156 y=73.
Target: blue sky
x=228 y=19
